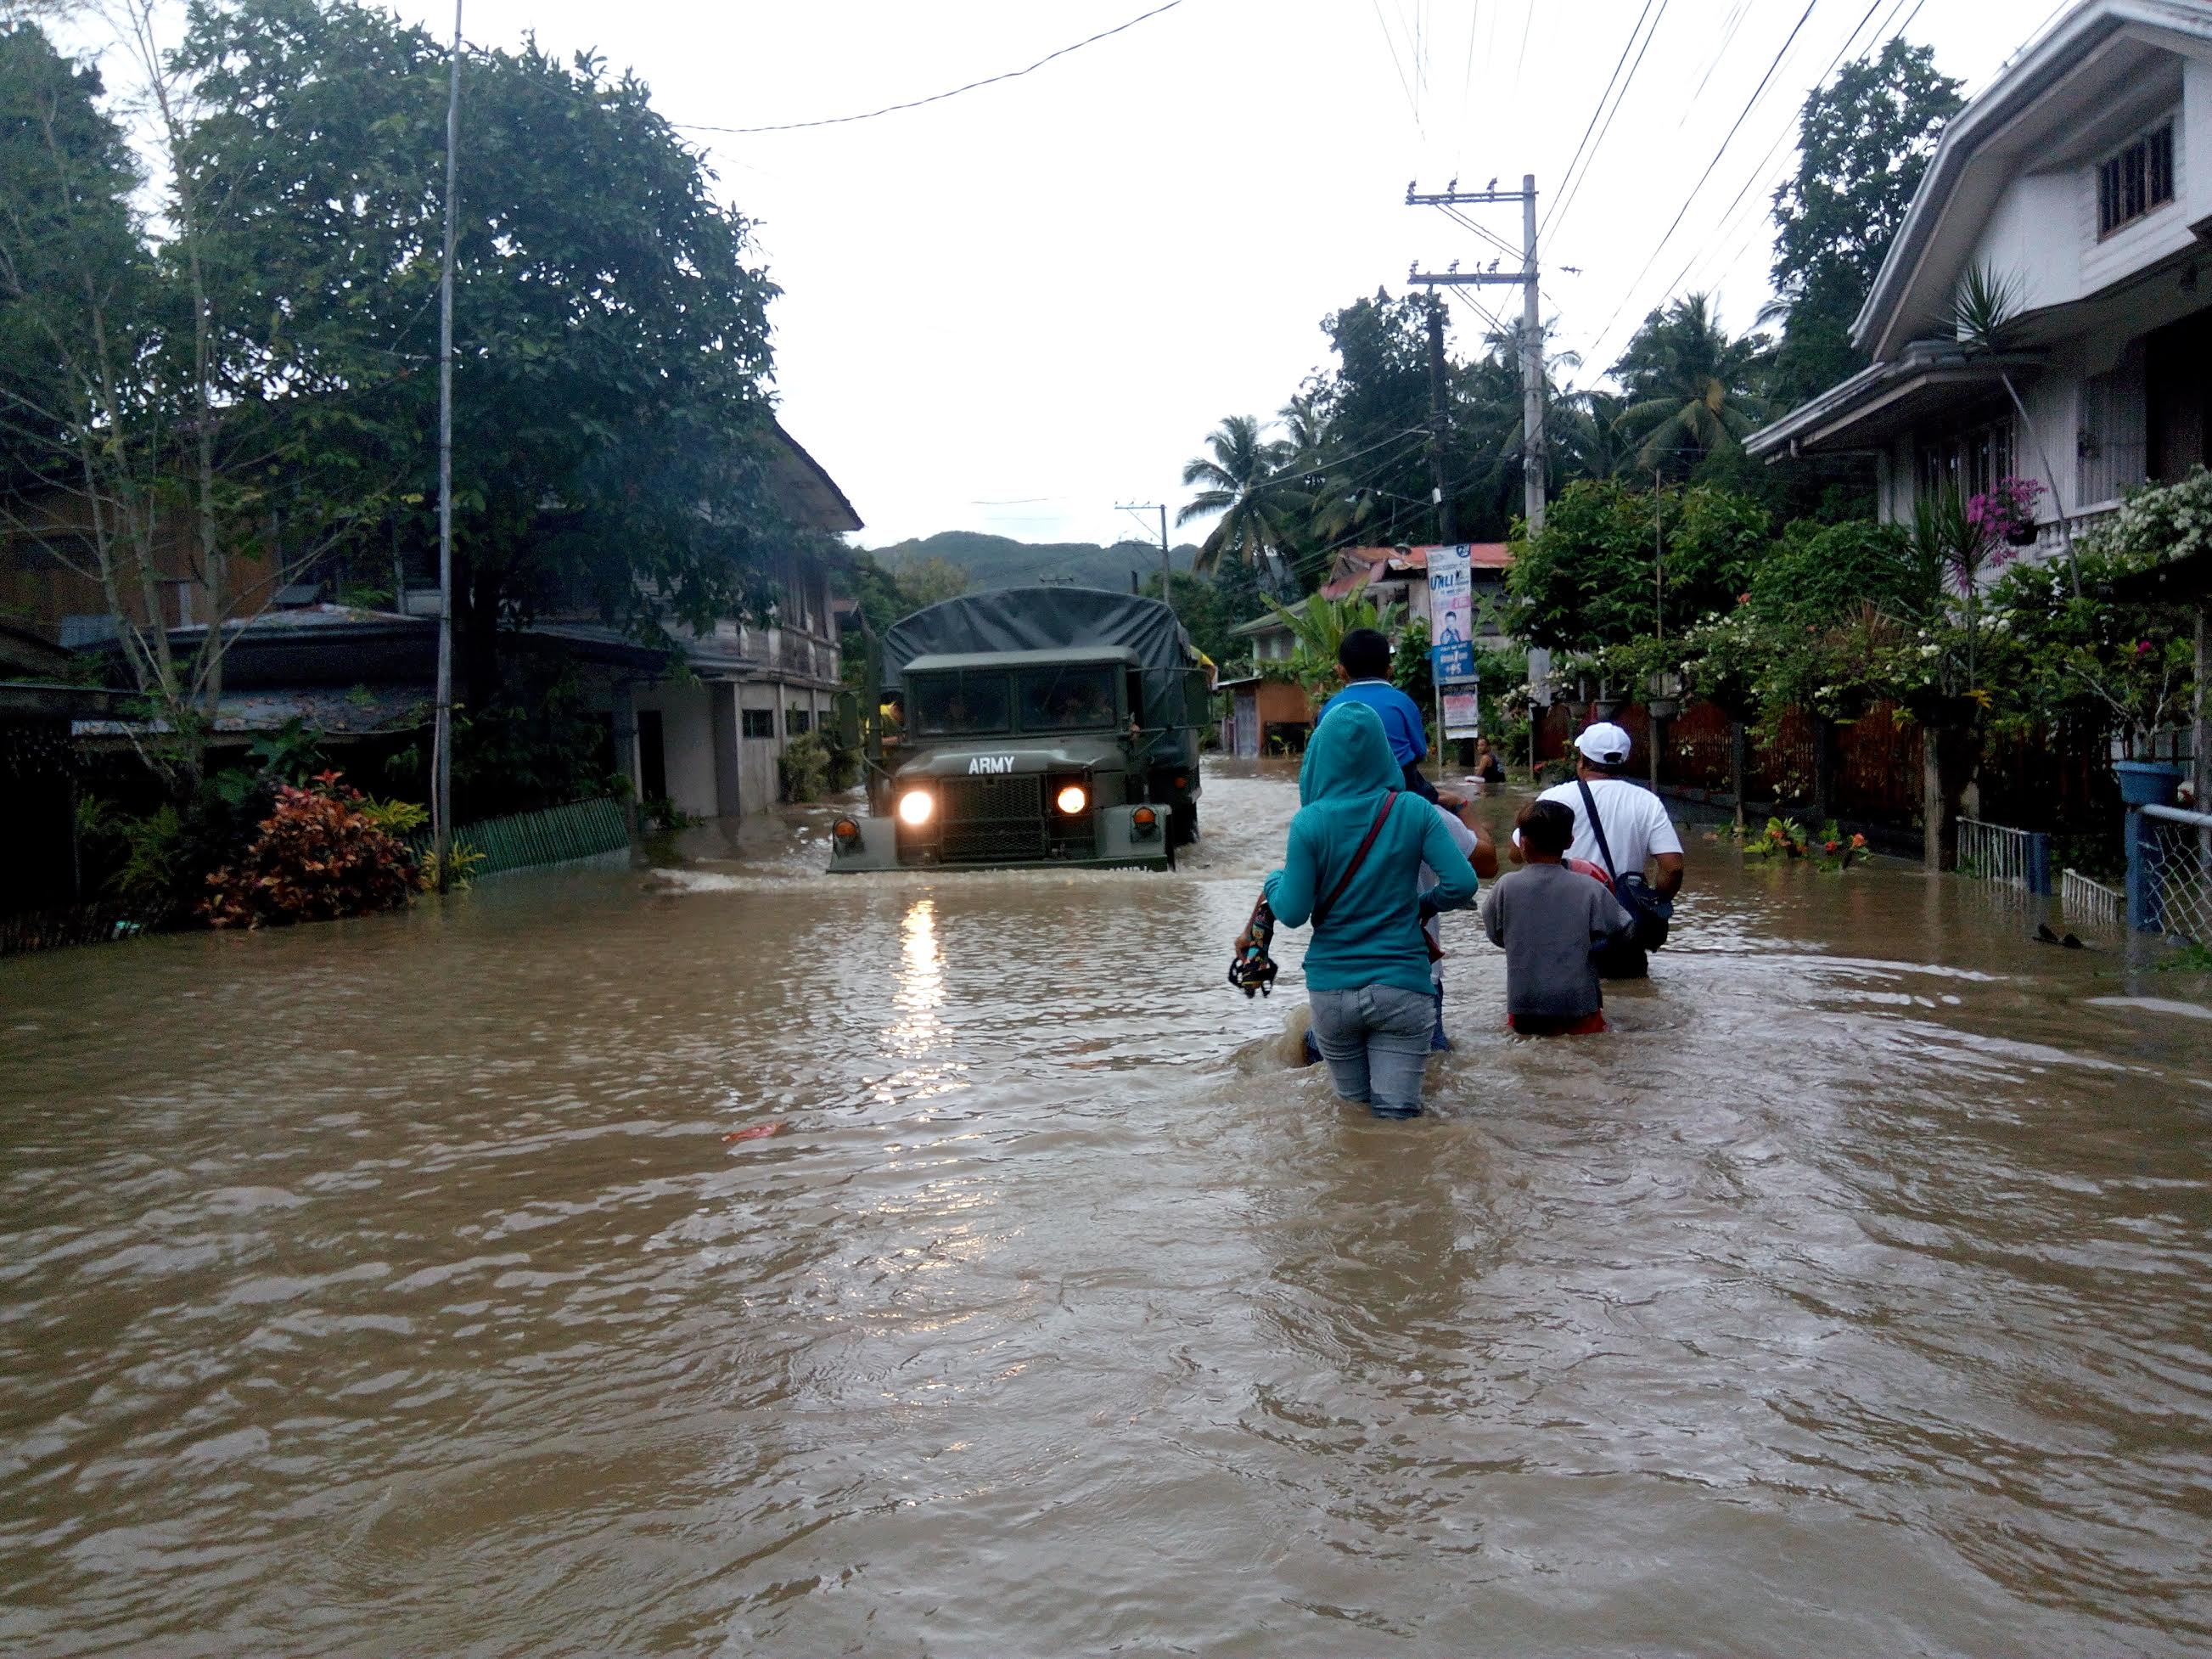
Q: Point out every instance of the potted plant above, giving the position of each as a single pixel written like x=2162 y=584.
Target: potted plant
x=2006 y=512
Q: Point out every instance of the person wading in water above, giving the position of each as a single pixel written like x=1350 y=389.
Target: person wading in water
x=1363 y=657
x=1552 y=922
x=1619 y=826
x=1352 y=868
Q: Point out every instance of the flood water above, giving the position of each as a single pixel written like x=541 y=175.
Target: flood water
x=390 y=1287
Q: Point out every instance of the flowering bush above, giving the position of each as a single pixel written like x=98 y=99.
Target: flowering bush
x=319 y=855
x=2005 y=510
x=1781 y=835
x=1838 y=851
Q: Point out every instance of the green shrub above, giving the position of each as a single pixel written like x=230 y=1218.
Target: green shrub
x=806 y=767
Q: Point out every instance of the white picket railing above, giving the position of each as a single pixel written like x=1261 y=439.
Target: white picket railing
x=2017 y=858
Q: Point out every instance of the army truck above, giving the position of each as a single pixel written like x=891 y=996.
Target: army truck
x=1050 y=726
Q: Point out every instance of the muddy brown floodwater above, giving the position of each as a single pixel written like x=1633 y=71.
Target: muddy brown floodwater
x=391 y=1288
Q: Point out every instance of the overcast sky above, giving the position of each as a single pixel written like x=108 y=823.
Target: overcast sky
x=1012 y=309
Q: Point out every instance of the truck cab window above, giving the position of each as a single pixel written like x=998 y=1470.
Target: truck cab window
x=957 y=705
x=1066 y=699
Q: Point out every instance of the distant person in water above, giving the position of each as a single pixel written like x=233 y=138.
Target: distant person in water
x=1363 y=657
x=1351 y=869
x=1551 y=922
x=1488 y=768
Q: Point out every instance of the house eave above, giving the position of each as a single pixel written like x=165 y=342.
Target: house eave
x=1877 y=402
x=2038 y=69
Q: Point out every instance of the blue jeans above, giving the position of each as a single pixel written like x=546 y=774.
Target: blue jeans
x=1375 y=1040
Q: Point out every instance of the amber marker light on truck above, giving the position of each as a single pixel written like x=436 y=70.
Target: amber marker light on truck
x=1146 y=819
x=847 y=831
x=1071 y=799
x=914 y=807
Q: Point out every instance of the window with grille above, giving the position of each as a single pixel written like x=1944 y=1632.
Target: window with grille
x=760 y=722
x=1968 y=462
x=797 y=719
x=2137 y=179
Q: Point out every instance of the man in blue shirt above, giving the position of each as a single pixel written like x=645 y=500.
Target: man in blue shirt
x=1363 y=657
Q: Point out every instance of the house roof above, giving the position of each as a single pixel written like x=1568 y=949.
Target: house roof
x=1269 y=623
x=1858 y=413
x=355 y=711
x=2044 y=98
x=1355 y=566
x=809 y=493
x=32 y=656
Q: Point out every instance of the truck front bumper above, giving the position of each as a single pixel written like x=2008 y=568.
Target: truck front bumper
x=1118 y=840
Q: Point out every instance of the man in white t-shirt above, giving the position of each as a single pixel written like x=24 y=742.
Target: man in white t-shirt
x=1637 y=827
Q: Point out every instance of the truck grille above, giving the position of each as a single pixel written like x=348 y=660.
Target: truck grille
x=995 y=817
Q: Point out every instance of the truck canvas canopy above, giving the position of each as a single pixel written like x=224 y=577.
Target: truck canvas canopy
x=1066 y=624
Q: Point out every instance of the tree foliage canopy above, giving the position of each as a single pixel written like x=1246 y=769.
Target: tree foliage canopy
x=1863 y=141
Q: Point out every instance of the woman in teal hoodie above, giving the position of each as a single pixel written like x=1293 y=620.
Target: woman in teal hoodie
x=1367 y=969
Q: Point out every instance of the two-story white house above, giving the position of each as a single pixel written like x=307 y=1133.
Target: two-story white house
x=2082 y=180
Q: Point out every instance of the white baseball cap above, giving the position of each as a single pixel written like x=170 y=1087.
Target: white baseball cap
x=1603 y=743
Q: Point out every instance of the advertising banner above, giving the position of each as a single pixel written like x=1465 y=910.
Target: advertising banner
x=1463 y=712
x=1451 y=613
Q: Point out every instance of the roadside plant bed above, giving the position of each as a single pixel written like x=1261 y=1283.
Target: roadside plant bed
x=322 y=855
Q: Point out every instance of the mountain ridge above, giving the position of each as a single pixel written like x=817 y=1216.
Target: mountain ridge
x=1002 y=561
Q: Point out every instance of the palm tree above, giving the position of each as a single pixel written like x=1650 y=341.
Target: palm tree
x=1984 y=306
x=1242 y=481
x=1690 y=388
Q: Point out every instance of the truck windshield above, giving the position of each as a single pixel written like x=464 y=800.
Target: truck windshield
x=957 y=705
x=1065 y=699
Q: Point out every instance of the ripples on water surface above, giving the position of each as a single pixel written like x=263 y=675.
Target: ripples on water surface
x=390 y=1288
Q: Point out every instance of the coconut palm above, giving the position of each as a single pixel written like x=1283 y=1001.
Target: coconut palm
x=1692 y=389
x=1242 y=481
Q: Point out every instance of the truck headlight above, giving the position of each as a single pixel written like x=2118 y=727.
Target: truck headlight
x=915 y=806
x=1071 y=799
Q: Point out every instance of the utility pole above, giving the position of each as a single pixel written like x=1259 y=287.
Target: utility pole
x=1440 y=423
x=1532 y=343
x=1167 y=588
x=441 y=745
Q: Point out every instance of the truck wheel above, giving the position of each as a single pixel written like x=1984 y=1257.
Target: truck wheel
x=1183 y=823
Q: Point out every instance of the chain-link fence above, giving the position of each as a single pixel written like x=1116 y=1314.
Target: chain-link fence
x=2176 y=872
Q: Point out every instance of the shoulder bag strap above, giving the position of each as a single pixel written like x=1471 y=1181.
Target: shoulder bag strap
x=1321 y=910
x=1597 y=828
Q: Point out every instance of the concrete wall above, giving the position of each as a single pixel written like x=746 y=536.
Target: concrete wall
x=688 y=738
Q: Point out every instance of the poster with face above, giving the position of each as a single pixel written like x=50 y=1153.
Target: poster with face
x=1451 y=612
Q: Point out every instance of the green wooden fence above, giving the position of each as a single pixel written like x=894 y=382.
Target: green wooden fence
x=555 y=835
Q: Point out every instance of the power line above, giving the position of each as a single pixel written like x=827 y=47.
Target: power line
x=1790 y=128
x=1560 y=205
x=1721 y=224
x=1566 y=179
x=1527 y=24
x=938 y=97
x=1741 y=115
x=1412 y=104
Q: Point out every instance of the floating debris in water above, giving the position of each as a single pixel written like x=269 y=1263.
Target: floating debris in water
x=756 y=1131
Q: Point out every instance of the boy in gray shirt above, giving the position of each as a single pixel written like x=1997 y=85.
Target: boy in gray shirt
x=1550 y=921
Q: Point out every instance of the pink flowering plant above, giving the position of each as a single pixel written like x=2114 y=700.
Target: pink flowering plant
x=2005 y=512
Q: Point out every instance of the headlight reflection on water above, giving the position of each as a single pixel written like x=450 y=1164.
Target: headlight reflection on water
x=918 y=1031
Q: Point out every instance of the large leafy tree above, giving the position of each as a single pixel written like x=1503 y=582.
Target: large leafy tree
x=611 y=338
x=1243 y=485
x=1864 y=142
x=1692 y=388
x=1612 y=563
